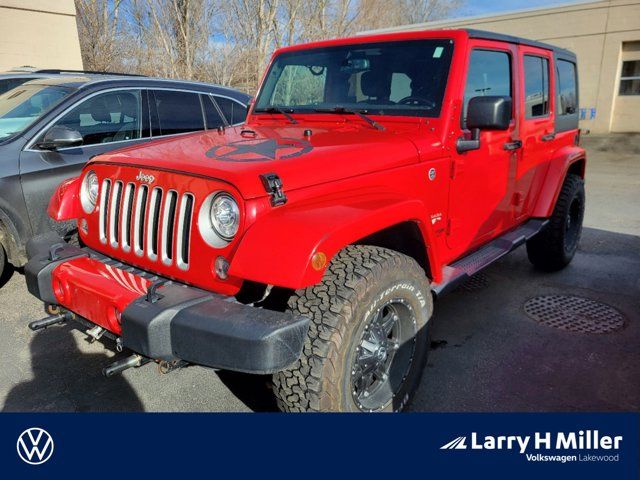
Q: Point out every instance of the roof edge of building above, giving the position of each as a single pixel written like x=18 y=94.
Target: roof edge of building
x=451 y=21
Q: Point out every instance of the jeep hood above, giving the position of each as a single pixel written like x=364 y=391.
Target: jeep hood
x=241 y=154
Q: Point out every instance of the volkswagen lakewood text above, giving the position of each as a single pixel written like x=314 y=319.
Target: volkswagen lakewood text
x=373 y=175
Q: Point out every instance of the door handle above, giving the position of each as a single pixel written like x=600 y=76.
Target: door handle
x=513 y=145
x=548 y=137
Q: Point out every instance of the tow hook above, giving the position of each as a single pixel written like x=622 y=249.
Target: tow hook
x=50 y=320
x=133 y=361
x=95 y=333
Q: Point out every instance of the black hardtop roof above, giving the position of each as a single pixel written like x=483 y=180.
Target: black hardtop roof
x=501 y=37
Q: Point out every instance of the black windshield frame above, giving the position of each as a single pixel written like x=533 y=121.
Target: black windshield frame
x=423 y=65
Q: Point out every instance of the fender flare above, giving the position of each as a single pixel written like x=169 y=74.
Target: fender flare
x=65 y=202
x=277 y=249
x=557 y=172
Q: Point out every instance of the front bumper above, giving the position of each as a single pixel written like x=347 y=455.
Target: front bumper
x=160 y=319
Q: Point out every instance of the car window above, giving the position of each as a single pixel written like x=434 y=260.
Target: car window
x=107 y=117
x=489 y=74
x=536 y=86
x=22 y=106
x=388 y=78
x=567 y=94
x=177 y=112
x=212 y=115
x=233 y=111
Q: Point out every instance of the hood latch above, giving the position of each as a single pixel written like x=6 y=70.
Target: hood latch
x=273 y=185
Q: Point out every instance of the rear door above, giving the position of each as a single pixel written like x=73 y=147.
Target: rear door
x=536 y=117
x=483 y=180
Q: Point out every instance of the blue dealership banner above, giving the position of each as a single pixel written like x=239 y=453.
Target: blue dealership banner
x=449 y=445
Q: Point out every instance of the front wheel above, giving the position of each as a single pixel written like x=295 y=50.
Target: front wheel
x=554 y=247
x=6 y=269
x=368 y=337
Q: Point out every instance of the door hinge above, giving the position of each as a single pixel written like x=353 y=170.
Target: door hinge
x=273 y=185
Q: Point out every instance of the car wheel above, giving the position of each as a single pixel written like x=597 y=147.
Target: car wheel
x=554 y=247
x=367 y=343
x=6 y=269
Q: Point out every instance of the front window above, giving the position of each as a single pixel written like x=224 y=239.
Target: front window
x=23 y=105
x=391 y=78
x=107 y=117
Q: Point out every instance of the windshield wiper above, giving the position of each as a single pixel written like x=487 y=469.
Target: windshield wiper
x=359 y=113
x=278 y=110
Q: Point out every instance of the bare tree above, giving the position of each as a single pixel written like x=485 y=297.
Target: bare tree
x=226 y=41
x=98 y=28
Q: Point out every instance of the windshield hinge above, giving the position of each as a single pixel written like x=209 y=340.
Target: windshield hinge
x=273 y=185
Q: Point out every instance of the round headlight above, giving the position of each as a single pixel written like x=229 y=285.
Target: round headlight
x=225 y=216
x=89 y=191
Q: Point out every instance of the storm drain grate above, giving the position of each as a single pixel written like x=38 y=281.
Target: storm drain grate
x=474 y=283
x=574 y=314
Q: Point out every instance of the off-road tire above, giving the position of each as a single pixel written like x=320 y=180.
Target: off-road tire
x=554 y=247
x=359 y=279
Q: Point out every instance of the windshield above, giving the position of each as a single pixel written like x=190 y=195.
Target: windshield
x=391 y=78
x=24 y=104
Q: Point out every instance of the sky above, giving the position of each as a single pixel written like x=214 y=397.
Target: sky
x=488 y=7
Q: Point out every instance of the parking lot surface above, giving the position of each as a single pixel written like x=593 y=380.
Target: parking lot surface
x=487 y=353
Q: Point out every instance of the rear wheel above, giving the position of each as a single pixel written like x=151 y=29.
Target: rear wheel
x=554 y=247
x=368 y=337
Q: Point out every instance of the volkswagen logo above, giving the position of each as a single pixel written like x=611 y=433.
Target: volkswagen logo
x=35 y=446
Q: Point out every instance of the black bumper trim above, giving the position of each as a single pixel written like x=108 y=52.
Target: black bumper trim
x=45 y=253
x=187 y=323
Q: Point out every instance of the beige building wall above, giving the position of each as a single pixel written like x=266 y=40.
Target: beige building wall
x=596 y=32
x=39 y=33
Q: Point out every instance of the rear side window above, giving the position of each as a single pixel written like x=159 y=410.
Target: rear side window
x=566 y=85
x=489 y=74
x=536 y=86
x=176 y=112
x=233 y=111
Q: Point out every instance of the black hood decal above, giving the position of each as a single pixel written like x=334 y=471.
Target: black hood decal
x=260 y=150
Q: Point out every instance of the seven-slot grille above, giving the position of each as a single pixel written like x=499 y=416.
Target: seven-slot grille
x=148 y=220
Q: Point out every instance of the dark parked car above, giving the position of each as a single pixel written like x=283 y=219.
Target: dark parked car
x=50 y=127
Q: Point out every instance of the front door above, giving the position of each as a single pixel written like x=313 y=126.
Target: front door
x=105 y=121
x=483 y=180
x=536 y=119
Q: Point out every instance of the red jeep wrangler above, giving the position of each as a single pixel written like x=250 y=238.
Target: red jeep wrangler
x=373 y=174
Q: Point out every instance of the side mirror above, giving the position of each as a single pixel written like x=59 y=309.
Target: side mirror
x=485 y=113
x=59 y=137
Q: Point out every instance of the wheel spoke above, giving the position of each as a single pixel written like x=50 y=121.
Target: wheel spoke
x=388 y=322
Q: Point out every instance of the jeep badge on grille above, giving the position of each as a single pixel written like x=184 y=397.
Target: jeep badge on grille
x=145 y=178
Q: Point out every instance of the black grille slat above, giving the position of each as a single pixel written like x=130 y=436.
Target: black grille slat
x=142 y=216
x=186 y=230
x=155 y=225
x=171 y=221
